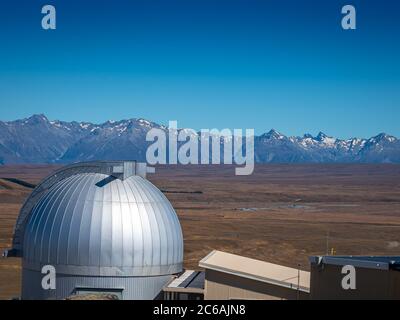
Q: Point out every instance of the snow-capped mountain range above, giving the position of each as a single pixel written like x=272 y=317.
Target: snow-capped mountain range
x=38 y=140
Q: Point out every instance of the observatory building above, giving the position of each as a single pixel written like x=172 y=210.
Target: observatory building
x=104 y=228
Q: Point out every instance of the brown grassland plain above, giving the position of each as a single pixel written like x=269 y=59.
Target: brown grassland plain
x=281 y=213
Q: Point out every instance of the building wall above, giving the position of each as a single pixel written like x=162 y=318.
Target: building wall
x=223 y=286
x=394 y=285
x=133 y=288
x=167 y=295
x=326 y=283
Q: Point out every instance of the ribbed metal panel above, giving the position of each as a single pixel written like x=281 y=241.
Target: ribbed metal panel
x=132 y=288
x=117 y=169
x=96 y=225
x=89 y=225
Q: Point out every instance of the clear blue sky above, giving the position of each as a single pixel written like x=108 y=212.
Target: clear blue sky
x=264 y=64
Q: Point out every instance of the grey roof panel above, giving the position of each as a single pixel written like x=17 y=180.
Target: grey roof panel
x=372 y=262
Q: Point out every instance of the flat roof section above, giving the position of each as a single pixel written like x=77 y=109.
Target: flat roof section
x=371 y=262
x=257 y=270
x=190 y=281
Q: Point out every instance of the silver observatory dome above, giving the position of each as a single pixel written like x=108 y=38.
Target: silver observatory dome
x=104 y=228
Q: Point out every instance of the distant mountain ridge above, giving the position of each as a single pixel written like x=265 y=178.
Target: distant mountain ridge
x=39 y=140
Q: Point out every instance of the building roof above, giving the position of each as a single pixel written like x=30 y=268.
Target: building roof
x=371 y=262
x=189 y=281
x=256 y=270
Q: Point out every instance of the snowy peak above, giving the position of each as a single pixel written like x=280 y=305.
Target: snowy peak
x=38 y=118
x=382 y=137
x=324 y=148
x=273 y=134
x=39 y=140
x=32 y=120
x=321 y=136
x=325 y=140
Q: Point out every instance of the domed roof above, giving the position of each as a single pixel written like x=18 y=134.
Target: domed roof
x=96 y=224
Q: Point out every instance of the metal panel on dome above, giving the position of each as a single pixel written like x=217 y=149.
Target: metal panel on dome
x=94 y=225
x=117 y=169
x=125 y=224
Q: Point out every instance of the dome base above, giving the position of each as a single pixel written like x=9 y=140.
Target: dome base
x=126 y=288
